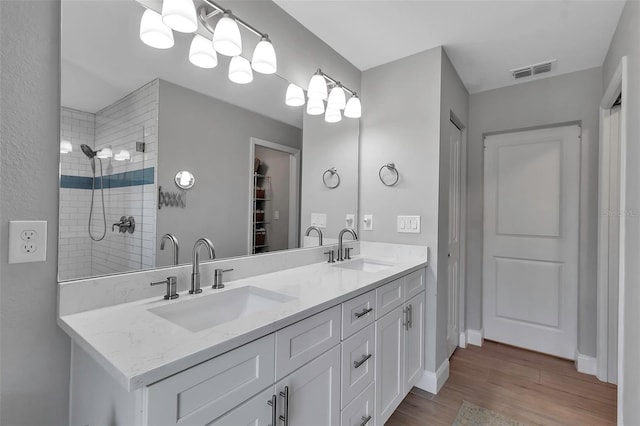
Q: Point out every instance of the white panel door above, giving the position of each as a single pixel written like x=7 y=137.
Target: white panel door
x=414 y=342
x=530 y=266
x=453 y=330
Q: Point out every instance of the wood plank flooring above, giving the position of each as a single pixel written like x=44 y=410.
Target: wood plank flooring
x=526 y=386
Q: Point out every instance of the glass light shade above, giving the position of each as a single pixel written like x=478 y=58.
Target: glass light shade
x=201 y=53
x=332 y=115
x=315 y=107
x=153 y=32
x=180 y=15
x=294 y=96
x=353 y=108
x=317 y=88
x=264 y=57
x=123 y=155
x=65 y=147
x=226 y=37
x=105 y=153
x=240 y=70
x=336 y=99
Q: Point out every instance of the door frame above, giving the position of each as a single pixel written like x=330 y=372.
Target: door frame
x=294 y=189
x=617 y=86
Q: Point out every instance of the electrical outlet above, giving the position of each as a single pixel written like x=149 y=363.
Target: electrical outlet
x=27 y=241
x=367 y=222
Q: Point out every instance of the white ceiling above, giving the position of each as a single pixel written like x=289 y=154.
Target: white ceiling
x=483 y=38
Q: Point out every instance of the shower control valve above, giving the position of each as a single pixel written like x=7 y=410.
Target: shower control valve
x=125 y=224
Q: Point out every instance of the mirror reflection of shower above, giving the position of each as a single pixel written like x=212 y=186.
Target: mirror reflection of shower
x=91 y=154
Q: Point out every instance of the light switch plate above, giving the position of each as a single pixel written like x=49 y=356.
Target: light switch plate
x=27 y=241
x=367 y=222
x=319 y=220
x=409 y=224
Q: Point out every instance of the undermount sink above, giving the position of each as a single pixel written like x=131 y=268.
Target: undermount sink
x=365 y=265
x=202 y=312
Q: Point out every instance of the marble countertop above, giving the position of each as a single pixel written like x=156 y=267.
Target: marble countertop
x=138 y=347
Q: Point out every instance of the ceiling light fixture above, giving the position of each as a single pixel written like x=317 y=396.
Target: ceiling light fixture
x=240 y=70
x=353 y=108
x=264 y=57
x=201 y=53
x=336 y=99
x=153 y=32
x=294 y=96
x=226 y=36
x=180 y=15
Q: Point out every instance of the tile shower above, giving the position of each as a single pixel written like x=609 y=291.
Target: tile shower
x=129 y=186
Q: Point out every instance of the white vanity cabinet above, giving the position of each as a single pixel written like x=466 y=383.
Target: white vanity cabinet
x=399 y=342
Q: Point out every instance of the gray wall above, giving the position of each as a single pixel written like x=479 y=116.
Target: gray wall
x=211 y=139
x=625 y=42
x=34 y=352
x=566 y=98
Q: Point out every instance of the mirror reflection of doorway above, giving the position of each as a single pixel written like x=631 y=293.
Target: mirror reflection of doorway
x=275 y=186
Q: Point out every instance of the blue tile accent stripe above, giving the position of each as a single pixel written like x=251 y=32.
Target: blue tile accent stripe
x=116 y=180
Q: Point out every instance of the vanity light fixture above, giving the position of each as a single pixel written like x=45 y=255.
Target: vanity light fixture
x=240 y=70
x=226 y=37
x=353 y=108
x=337 y=98
x=201 y=53
x=264 y=57
x=332 y=115
x=123 y=155
x=317 y=87
x=180 y=15
x=315 y=107
x=153 y=32
x=65 y=147
x=294 y=96
x=105 y=153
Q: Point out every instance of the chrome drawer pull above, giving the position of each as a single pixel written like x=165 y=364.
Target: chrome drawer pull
x=362 y=360
x=285 y=395
x=405 y=323
x=363 y=313
x=274 y=416
x=365 y=420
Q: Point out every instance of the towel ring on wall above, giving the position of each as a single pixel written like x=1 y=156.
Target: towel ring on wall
x=392 y=168
x=331 y=172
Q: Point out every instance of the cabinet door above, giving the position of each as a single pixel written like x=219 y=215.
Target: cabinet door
x=312 y=394
x=255 y=412
x=414 y=342
x=389 y=363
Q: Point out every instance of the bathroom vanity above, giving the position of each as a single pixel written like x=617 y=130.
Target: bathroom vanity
x=318 y=344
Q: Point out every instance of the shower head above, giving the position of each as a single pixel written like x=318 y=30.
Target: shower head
x=90 y=153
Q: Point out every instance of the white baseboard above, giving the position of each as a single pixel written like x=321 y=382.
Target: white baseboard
x=475 y=337
x=463 y=340
x=433 y=382
x=586 y=364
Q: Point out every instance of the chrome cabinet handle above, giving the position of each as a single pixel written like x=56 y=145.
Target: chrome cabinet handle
x=274 y=414
x=285 y=395
x=410 y=320
x=363 y=313
x=361 y=361
x=365 y=420
x=405 y=323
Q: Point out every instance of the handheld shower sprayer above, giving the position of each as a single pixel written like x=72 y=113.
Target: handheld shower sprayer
x=91 y=154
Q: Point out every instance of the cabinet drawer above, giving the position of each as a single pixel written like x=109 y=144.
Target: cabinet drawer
x=303 y=341
x=414 y=283
x=255 y=412
x=358 y=313
x=360 y=412
x=389 y=297
x=356 y=374
x=208 y=390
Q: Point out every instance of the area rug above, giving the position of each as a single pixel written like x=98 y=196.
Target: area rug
x=472 y=415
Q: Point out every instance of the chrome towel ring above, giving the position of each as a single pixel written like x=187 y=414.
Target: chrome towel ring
x=331 y=173
x=389 y=180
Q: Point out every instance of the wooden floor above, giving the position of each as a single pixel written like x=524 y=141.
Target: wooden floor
x=526 y=386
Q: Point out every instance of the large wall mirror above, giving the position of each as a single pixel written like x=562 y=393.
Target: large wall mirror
x=133 y=117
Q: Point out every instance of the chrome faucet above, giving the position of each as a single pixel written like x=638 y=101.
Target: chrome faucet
x=344 y=231
x=314 y=228
x=174 y=242
x=195 y=273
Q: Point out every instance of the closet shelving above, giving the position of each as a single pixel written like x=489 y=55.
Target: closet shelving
x=261 y=197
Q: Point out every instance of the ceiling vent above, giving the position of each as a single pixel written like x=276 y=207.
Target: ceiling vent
x=532 y=70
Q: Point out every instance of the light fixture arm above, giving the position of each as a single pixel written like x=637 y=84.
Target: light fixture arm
x=335 y=82
x=205 y=15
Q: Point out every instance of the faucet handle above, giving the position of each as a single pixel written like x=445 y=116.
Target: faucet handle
x=217 y=278
x=332 y=256
x=347 y=253
x=172 y=285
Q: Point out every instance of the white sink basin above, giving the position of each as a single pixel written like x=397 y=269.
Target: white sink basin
x=365 y=265
x=202 y=312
